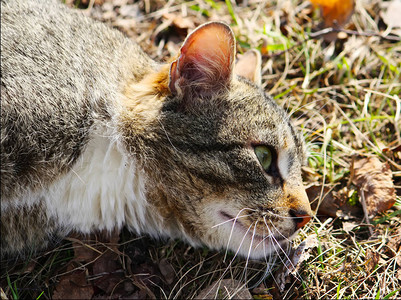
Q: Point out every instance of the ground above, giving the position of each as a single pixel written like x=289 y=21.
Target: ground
x=342 y=90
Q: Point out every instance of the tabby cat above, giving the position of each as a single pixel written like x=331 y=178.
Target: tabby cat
x=95 y=135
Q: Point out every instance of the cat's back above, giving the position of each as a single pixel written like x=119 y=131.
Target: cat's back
x=61 y=74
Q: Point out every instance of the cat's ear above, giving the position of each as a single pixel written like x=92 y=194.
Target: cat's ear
x=206 y=61
x=250 y=66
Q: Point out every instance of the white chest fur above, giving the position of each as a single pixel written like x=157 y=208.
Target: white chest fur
x=104 y=190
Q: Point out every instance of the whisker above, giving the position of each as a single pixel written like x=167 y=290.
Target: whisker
x=234 y=257
x=229 y=220
x=232 y=230
x=250 y=248
x=289 y=262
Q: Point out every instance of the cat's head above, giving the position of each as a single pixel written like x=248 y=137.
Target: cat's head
x=222 y=160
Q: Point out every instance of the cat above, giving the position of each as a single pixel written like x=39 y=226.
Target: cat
x=95 y=135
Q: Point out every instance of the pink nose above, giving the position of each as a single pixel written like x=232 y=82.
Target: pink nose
x=300 y=218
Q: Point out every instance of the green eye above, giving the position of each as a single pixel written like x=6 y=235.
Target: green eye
x=264 y=156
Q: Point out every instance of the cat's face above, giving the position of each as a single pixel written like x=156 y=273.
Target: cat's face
x=211 y=180
x=224 y=162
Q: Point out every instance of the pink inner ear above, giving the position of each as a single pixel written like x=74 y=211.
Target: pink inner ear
x=206 y=59
x=210 y=42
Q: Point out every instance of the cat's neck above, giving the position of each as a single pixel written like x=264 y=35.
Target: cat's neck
x=104 y=190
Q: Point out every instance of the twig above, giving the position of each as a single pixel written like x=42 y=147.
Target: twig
x=325 y=31
x=365 y=209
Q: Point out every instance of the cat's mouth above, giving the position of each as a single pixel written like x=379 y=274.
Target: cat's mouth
x=249 y=230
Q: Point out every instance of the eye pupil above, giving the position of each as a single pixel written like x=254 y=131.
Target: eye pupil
x=264 y=155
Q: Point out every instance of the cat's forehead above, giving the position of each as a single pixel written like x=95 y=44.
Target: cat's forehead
x=260 y=119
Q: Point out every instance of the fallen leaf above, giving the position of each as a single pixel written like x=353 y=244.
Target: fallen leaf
x=327 y=205
x=83 y=252
x=264 y=50
x=73 y=285
x=333 y=203
x=167 y=270
x=261 y=292
x=348 y=226
x=375 y=186
x=335 y=13
x=372 y=258
x=225 y=289
x=108 y=272
x=98 y=256
x=394 y=245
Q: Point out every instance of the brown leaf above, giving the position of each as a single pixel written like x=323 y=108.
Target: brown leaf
x=261 y=292
x=99 y=253
x=372 y=258
x=83 y=252
x=333 y=203
x=108 y=272
x=335 y=13
x=73 y=285
x=225 y=289
x=375 y=185
x=327 y=205
x=394 y=245
x=167 y=270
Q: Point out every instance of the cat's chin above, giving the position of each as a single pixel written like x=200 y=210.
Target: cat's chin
x=246 y=242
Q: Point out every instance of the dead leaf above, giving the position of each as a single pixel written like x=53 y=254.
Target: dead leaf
x=99 y=256
x=335 y=13
x=167 y=270
x=225 y=289
x=348 y=226
x=83 y=252
x=333 y=203
x=73 y=285
x=327 y=205
x=375 y=185
x=372 y=259
x=394 y=245
x=264 y=50
x=261 y=292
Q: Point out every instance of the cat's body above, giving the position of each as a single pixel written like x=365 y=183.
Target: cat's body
x=95 y=136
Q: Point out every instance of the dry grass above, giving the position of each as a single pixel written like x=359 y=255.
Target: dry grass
x=343 y=95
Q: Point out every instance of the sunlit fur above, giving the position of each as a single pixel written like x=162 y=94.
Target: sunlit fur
x=96 y=135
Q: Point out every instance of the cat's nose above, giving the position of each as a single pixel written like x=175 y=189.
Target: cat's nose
x=301 y=218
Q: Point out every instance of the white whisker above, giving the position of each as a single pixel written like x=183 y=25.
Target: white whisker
x=232 y=230
x=229 y=220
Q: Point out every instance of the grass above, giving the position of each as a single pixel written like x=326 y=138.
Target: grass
x=344 y=96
